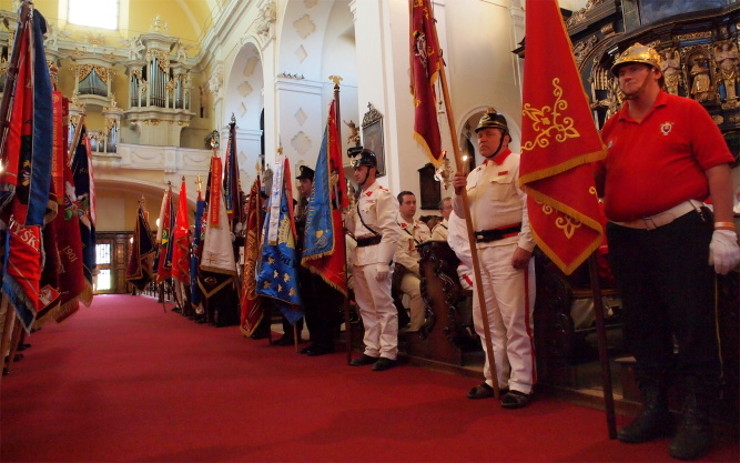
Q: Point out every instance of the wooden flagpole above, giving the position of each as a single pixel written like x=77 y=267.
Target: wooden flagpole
x=345 y=304
x=164 y=282
x=606 y=377
x=8 y=326
x=468 y=220
x=14 y=340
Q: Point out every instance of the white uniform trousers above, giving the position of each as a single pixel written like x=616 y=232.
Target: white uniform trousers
x=379 y=315
x=509 y=297
x=411 y=286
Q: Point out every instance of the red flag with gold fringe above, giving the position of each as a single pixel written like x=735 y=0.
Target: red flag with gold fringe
x=252 y=307
x=559 y=140
x=72 y=281
x=426 y=62
x=181 y=240
x=164 y=238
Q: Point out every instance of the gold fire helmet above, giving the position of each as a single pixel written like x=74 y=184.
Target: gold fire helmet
x=638 y=53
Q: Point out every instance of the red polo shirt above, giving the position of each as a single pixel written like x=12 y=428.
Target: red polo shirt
x=659 y=162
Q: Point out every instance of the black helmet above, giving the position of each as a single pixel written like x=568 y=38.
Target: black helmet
x=306 y=173
x=492 y=119
x=365 y=158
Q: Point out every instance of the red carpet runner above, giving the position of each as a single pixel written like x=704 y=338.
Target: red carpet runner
x=123 y=381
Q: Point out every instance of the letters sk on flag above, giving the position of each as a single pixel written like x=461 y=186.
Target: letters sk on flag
x=559 y=140
x=426 y=62
x=26 y=180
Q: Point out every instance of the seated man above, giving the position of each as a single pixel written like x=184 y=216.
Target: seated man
x=413 y=233
x=439 y=232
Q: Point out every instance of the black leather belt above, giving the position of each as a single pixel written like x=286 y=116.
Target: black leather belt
x=368 y=241
x=486 y=236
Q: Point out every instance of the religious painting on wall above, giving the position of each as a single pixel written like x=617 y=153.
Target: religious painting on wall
x=372 y=136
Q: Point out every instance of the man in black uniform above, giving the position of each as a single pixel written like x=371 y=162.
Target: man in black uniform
x=321 y=303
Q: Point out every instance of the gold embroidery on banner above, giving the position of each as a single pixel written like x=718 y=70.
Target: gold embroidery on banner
x=546 y=121
x=563 y=221
x=568 y=224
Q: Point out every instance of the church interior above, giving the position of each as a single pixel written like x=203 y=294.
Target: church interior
x=161 y=84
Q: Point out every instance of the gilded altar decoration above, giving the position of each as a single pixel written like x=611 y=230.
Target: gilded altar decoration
x=701 y=81
x=671 y=68
x=547 y=122
x=84 y=70
x=726 y=57
x=162 y=57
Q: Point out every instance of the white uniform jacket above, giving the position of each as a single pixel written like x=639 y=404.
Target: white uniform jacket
x=412 y=234
x=379 y=210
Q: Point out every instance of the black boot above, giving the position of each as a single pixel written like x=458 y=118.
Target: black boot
x=654 y=421
x=695 y=437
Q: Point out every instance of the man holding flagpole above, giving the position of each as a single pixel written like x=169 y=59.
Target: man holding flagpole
x=498 y=209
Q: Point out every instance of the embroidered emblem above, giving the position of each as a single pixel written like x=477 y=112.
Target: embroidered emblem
x=666 y=127
x=549 y=121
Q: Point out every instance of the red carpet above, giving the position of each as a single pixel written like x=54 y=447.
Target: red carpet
x=123 y=381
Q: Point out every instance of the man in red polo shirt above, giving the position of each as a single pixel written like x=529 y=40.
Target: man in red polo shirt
x=665 y=157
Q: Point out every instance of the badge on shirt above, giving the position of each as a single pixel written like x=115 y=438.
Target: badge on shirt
x=666 y=127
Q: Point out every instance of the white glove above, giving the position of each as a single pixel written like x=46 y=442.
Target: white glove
x=724 y=252
x=381 y=271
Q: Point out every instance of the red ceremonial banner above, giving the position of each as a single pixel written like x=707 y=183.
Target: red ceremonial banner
x=215 y=191
x=426 y=62
x=559 y=140
x=164 y=237
x=181 y=239
x=252 y=309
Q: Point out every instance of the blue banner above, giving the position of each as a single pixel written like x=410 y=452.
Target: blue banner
x=195 y=292
x=319 y=237
x=277 y=277
x=43 y=127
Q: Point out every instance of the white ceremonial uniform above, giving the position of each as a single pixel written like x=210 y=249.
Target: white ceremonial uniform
x=496 y=203
x=412 y=234
x=457 y=238
x=379 y=210
x=439 y=232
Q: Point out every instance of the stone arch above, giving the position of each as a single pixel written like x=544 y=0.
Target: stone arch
x=244 y=88
x=244 y=98
x=316 y=40
x=302 y=37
